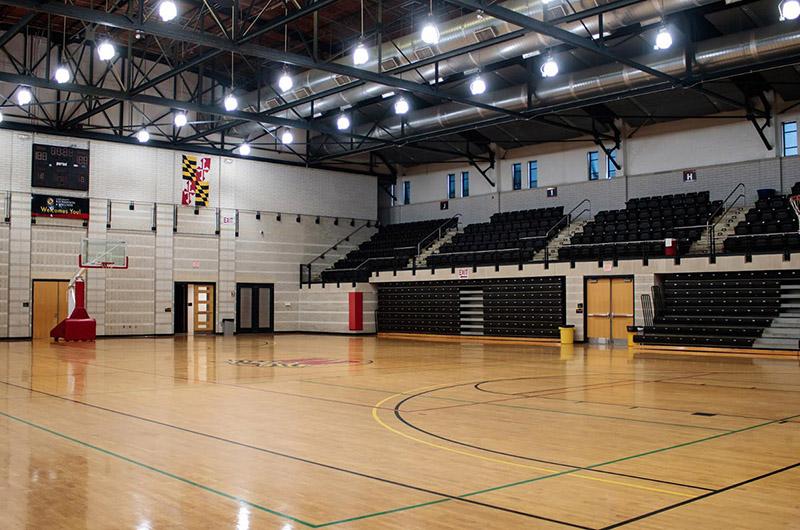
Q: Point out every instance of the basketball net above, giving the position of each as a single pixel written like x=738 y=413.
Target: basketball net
x=794 y=201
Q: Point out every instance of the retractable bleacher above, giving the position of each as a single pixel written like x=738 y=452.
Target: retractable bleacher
x=718 y=309
x=770 y=226
x=503 y=307
x=640 y=229
x=390 y=248
x=509 y=237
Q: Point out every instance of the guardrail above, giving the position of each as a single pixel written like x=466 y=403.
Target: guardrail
x=712 y=227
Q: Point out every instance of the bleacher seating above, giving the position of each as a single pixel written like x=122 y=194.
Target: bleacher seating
x=770 y=226
x=509 y=237
x=640 y=229
x=717 y=309
x=511 y=307
x=390 y=248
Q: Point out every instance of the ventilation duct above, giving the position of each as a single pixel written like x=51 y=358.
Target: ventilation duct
x=710 y=56
x=461 y=32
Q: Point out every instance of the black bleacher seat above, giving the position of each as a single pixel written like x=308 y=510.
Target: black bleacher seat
x=390 y=248
x=770 y=226
x=640 y=229
x=509 y=237
x=716 y=309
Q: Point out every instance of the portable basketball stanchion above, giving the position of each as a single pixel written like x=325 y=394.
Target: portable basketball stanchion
x=79 y=325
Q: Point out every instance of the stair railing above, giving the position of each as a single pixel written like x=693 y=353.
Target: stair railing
x=711 y=228
x=425 y=241
x=305 y=268
x=567 y=218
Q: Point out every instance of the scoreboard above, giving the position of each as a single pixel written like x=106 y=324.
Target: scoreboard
x=65 y=168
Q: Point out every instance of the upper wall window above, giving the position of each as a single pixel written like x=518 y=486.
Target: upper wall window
x=611 y=169
x=393 y=194
x=789 y=138
x=533 y=174
x=465 y=183
x=516 y=176
x=406 y=192
x=451 y=186
x=593 y=159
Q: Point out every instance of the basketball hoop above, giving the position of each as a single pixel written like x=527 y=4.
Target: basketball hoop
x=794 y=201
x=103 y=254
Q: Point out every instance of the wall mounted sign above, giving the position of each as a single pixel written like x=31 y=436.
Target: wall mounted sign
x=59 y=207
x=463 y=273
x=689 y=175
x=444 y=205
x=552 y=192
x=65 y=168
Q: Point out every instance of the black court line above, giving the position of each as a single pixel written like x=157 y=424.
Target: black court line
x=500 y=403
x=399 y=416
x=307 y=460
x=701 y=497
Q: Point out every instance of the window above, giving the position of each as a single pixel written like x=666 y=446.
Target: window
x=594 y=169
x=533 y=174
x=406 y=192
x=789 y=138
x=393 y=194
x=465 y=183
x=516 y=176
x=611 y=169
x=451 y=186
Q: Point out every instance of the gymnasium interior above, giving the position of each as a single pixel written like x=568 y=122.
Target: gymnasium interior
x=399 y=264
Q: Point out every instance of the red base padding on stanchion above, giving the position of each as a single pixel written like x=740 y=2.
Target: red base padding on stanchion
x=77 y=326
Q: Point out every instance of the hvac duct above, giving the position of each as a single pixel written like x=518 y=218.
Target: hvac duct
x=711 y=55
x=456 y=34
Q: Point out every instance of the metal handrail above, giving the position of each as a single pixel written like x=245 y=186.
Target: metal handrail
x=620 y=242
x=436 y=230
x=377 y=258
x=712 y=228
x=476 y=251
x=345 y=238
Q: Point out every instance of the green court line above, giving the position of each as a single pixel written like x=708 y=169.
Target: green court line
x=561 y=473
x=383 y=512
x=523 y=407
x=160 y=471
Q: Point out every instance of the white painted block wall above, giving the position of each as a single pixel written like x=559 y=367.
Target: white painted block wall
x=139 y=300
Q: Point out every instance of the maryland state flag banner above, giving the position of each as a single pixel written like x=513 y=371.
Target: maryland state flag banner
x=195 y=180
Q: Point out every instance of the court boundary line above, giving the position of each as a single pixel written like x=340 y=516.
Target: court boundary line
x=446 y=497
x=704 y=496
x=399 y=416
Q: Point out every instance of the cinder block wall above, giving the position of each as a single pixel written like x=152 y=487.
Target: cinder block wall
x=183 y=246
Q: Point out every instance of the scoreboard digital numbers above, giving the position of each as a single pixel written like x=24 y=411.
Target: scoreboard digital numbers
x=65 y=168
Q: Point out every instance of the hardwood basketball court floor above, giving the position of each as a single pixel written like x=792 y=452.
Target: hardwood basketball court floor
x=311 y=431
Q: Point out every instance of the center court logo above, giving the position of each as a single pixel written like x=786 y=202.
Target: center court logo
x=297 y=363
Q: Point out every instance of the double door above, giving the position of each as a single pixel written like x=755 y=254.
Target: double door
x=254 y=308
x=609 y=308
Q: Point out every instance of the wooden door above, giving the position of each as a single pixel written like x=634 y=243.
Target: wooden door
x=621 y=306
x=49 y=306
x=598 y=308
x=203 y=308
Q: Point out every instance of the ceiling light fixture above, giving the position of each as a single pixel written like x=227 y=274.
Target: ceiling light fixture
x=401 y=106
x=143 y=136
x=167 y=10
x=477 y=86
x=180 y=119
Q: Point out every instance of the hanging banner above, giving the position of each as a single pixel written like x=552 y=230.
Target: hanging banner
x=194 y=174
x=59 y=207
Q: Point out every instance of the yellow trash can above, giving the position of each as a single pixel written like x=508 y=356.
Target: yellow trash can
x=632 y=331
x=567 y=334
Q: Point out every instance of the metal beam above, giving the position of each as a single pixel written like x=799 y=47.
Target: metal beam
x=171 y=31
x=28 y=80
x=16 y=28
x=208 y=55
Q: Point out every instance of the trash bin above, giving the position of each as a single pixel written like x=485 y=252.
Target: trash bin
x=567 y=334
x=632 y=332
x=228 y=327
